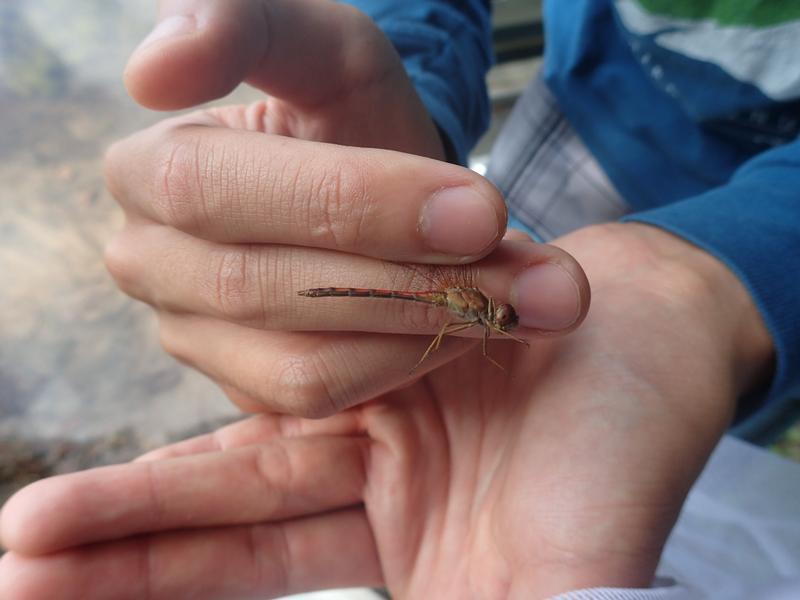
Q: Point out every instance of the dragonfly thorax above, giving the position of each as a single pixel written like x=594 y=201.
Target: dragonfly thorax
x=473 y=305
x=468 y=303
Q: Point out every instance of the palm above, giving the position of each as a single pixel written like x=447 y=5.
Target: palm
x=492 y=480
x=564 y=471
x=445 y=515
x=491 y=485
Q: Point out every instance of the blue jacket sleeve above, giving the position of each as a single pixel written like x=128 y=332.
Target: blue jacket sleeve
x=752 y=224
x=446 y=49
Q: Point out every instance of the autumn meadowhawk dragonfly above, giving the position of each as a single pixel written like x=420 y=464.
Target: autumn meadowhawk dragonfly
x=465 y=302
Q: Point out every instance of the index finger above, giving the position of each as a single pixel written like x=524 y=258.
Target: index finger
x=237 y=186
x=279 y=480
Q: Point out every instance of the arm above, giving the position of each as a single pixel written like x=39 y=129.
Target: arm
x=752 y=224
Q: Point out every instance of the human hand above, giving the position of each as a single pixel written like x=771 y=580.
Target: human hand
x=566 y=471
x=329 y=72
x=230 y=213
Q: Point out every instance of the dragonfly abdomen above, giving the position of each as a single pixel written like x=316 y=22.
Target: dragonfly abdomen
x=432 y=297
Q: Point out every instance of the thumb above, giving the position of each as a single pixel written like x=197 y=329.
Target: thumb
x=202 y=49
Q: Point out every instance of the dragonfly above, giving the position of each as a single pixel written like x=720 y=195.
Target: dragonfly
x=468 y=304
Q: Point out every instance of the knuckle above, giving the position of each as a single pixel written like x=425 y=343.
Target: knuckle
x=237 y=289
x=181 y=171
x=302 y=387
x=341 y=206
x=273 y=465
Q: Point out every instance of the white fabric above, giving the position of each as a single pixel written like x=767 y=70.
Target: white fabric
x=551 y=182
x=738 y=536
x=765 y=57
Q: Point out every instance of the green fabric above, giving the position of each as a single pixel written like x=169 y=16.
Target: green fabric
x=755 y=13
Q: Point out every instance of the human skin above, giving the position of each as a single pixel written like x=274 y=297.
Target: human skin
x=566 y=470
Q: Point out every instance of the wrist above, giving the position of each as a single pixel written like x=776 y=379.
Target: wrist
x=717 y=297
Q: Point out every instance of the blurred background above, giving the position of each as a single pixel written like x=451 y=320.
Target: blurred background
x=83 y=380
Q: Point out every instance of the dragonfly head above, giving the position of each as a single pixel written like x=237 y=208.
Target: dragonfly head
x=505 y=317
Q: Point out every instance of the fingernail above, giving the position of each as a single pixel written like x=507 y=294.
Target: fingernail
x=458 y=221
x=170 y=27
x=546 y=297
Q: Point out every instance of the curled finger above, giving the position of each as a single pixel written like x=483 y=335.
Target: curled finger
x=282 y=479
x=239 y=186
x=258 y=285
x=257 y=429
x=308 y=374
x=249 y=561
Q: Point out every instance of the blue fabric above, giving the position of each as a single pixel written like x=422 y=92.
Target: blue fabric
x=652 y=150
x=687 y=171
x=514 y=223
x=752 y=223
x=738 y=201
x=446 y=48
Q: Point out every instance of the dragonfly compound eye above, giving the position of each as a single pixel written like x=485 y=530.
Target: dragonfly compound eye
x=505 y=317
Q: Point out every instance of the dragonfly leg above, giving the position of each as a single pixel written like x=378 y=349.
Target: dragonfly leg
x=486 y=331
x=452 y=328
x=447 y=329
x=507 y=334
x=431 y=347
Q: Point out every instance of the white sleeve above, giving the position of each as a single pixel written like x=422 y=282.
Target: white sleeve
x=737 y=538
x=786 y=590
